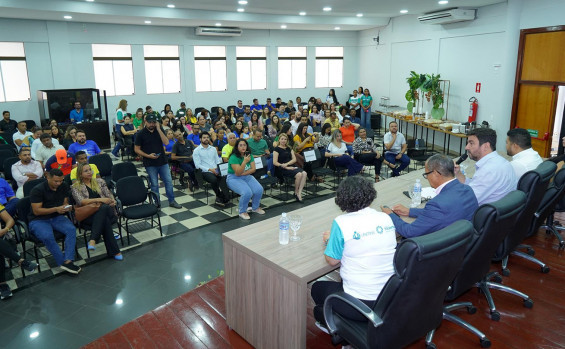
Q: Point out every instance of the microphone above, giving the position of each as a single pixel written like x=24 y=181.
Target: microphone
x=461 y=159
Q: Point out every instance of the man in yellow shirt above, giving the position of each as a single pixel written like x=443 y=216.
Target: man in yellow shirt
x=333 y=121
x=82 y=158
x=228 y=148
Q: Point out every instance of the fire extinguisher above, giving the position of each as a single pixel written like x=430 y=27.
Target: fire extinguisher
x=473 y=109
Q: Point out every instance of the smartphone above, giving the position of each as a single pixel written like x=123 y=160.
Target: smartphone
x=158 y=154
x=247 y=153
x=68 y=206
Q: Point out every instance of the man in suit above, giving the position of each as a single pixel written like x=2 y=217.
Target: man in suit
x=453 y=201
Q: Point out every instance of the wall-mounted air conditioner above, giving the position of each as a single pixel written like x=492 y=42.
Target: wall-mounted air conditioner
x=218 y=31
x=449 y=16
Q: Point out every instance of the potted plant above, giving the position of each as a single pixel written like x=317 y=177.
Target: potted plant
x=412 y=95
x=434 y=93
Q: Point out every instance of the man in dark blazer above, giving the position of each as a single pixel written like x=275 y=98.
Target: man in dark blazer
x=454 y=201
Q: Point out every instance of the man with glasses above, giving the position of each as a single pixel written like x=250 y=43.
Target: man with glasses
x=453 y=201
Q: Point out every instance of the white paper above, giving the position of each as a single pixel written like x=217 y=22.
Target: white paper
x=309 y=156
x=223 y=168
x=258 y=163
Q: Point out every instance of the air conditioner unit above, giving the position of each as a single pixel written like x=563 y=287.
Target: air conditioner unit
x=218 y=31
x=449 y=16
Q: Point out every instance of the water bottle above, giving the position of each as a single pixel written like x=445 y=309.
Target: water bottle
x=284 y=226
x=417 y=144
x=417 y=194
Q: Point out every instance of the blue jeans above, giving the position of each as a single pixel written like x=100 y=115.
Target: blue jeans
x=164 y=172
x=247 y=187
x=366 y=118
x=43 y=230
x=404 y=162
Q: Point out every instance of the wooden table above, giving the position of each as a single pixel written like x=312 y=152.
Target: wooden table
x=266 y=283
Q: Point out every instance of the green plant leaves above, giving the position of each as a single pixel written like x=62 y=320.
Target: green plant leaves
x=409 y=95
x=437 y=113
x=410 y=106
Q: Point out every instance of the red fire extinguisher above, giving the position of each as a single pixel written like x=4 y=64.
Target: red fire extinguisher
x=473 y=109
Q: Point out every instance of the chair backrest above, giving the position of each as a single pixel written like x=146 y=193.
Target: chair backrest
x=553 y=196
x=490 y=222
x=534 y=184
x=318 y=162
x=103 y=162
x=8 y=167
x=228 y=108
x=197 y=110
x=214 y=110
x=29 y=124
x=123 y=169
x=411 y=302
x=131 y=190
x=29 y=185
x=23 y=209
x=5 y=154
x=8 y=147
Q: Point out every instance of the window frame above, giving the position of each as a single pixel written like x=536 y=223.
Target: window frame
x=210 y=59
x=12 y=58
x=292 y=59
x=328 y=58
x=250 y=59
x=163 y=78
x=113 y=59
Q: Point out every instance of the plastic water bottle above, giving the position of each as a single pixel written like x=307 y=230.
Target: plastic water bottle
x=417 y=144
x=284 y=227
x=417 y=194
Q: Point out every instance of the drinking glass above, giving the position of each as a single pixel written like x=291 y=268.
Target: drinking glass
x=295 y=222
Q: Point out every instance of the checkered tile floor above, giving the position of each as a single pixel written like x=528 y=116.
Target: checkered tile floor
x=195 y=213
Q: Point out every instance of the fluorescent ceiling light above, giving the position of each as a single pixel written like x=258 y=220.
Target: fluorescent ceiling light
x=327 y=9
x=337 y=28
x=302 y=13
x=240 y=10
x=242 y=2
x=171 y=6
x=359 y=15
x=68 y=17
x=218 y=24
x=403 y=11
x=89 y=0
x=443 y=2
x=147 y=22
x=283 y=26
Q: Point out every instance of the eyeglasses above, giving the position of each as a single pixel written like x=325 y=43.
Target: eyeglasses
x=425 y=175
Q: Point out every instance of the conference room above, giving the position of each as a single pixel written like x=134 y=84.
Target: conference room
x=213 y=54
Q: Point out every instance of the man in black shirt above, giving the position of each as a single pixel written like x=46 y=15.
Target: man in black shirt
x=182 y=152
x=7 y=126
x=149 y=145
x=49 y=205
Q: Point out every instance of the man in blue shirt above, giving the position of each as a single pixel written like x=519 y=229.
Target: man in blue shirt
x=494 y=176
x=282 y=114
x=239 y=108
x=88 y=146
x=256 y=105
x=247 y=114
x=194 y=137
x=269 y=105
x=77 y=114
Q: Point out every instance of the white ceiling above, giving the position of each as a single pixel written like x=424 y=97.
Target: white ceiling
x=259 y=14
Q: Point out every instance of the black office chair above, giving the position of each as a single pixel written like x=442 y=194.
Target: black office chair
x=417 y=151
x=29 y=185
x=202 y=183
x=411 y=303
x=214 y=110
x=5 y=154
x=9 y=147
x=135 y=202
x=198 y=110
x=534 y=184
x=262 y=177
x=8 y=171
x=553 y=197
x=104 y=164
x=489 y=221
x=124 y=169
x=318 y=168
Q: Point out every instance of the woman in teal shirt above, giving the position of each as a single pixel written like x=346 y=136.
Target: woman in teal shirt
x=366 y=101
x=241 y=167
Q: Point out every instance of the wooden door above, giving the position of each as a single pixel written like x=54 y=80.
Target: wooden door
x=540 y=70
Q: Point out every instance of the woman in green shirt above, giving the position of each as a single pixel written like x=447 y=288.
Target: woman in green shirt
x=366 y=101
x=241 y=167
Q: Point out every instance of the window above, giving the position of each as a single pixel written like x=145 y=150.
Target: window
x=292 y=67
x=210 y=68
x=113 y=69
x=162 y=69
x=251 y=68
x=14 y=83
x=329 y=66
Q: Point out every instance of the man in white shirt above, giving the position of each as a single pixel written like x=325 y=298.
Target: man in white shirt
x=295 y=122
x=21 y=134
x=354 y=101
x=25 y=170
x=519 y=147
x=395 y=146
x=205 y=158
x=47 y=148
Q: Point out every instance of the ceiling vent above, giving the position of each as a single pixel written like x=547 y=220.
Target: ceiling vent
x=449 y=16
x=218 y=31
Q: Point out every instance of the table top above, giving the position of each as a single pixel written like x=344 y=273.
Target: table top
x=419 y=123
x=304 y=260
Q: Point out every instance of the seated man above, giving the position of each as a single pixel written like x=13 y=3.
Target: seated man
x=259 y=147
x=395 y=146
x=182 y=152
x=25 y=170
x=228 y=148
x=453 y=201
x=81 y=158
x=494 y=176
x=295 y=122
x=239 y=108
x=255 y=106
x=36 y=133
x=49 y=206
x=353 y=117
x=519 y=147
x=206 y=159
x=77 y=114
x=21 y=134
x=47 y=148
x=282 y=114
x=88 y=146
x=61 y=160
x=7 y=197
x=194 y=137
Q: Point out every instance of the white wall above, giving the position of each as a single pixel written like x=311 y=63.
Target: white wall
x=59 y=56
x=484 y=50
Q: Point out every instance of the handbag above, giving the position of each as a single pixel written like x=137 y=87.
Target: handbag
x=83 y=212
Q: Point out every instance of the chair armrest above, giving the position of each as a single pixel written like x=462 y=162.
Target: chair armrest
x=119 y=206
x=146 y=181
x=21 y=230
x=352 y=302
x=153 y=199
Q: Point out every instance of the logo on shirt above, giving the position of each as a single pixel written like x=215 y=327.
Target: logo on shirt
x=356 y=236
x=379 y=229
